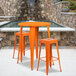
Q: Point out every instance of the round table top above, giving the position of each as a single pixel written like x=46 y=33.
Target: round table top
x=34 y=24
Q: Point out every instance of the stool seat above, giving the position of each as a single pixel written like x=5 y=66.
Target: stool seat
x=49 y=40
x=23 y=33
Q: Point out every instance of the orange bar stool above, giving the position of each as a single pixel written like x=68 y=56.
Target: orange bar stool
x=24 y=34
x=49 y=58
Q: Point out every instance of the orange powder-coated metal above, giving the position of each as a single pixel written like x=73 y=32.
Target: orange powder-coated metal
x=49 y=58
x=34 y=24
x=34 y=30
x=24 y=34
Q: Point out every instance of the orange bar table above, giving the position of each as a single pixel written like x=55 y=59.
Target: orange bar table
x=34 y=30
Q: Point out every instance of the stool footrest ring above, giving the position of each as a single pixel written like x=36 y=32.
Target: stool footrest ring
x=41 y=58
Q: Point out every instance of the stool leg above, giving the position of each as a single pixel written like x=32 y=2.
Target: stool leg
x=18 y=56
x=58 y=56
x=52 y=60
x=19 y=51
x=47 y=57
x=14 y=46
x=39 y=57
x=50 y=54
x=24 y=46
